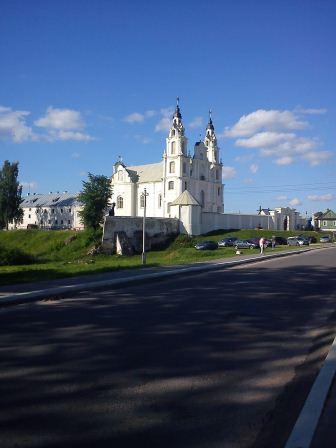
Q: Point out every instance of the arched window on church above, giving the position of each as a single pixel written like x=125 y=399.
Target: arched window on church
x=173 y=145
x=120 y=202
x=172 y=167
x=218 y=191
x=217 y=174
x=171 y=185
x=185 y=185
x=184 y=167
x=202 y=198
x=160 y=201
x=173 y=132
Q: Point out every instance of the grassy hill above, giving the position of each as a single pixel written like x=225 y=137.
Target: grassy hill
x=32 y=255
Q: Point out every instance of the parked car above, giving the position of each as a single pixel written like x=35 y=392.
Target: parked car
x=279 y=240
x=245 y=244
x=297 y=241
x=325 y=239
x=228 y=241
x=206 y=245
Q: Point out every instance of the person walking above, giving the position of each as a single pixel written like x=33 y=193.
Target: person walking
x=262 y=245
x=273 y=242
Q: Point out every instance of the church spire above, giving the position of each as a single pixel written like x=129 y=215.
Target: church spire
x=176 y=142
x=210 y=140
x=177 y=113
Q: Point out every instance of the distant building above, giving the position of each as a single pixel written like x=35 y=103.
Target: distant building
x=51 y=211
x=325 y=221
x=200 y=174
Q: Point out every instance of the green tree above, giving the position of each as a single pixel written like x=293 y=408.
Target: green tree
x=95 y=198
x=10 y=194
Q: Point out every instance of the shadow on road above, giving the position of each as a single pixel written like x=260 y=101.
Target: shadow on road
x=211 y=360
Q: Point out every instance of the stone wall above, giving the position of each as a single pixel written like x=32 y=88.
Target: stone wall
x=125 y=233
x=215 y=221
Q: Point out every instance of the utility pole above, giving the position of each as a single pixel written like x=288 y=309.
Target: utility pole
x=143 y=255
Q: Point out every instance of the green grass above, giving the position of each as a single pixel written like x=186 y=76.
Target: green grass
x=54 y=258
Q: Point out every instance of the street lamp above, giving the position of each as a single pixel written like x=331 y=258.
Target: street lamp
x=143 y=255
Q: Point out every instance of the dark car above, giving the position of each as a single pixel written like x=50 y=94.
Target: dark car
x=228 y=241
x=245 y=244
x=279 y=240
x=206 y=245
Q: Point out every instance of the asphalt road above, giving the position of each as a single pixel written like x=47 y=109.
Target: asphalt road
x=221 y=359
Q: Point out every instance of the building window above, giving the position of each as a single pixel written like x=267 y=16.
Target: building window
x=168 y=207
x=45 y=210
x=202 y=177
x=218 y=191
x=61 y=210
x=52 y=210
x=120 y=202
x=173 y=132
x=49 y=221
x=56 y=222
x=61 y=221
x=171 y=185
x=185 y=185
x=69 y=210
x=30 y=209
x=69 y=221
x=173 y=147
x=184 y=167
x=324 y=223
x=334 y=223
x=160 y=200
x=120 y=176
x=217 y=174
x=142 y=201
x=172 y=167
x=29 y=216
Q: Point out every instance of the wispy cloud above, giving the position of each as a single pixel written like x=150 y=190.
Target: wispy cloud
x=310 y=111
x=137 y=117
x=322 y=197
x=228 y=172
x=29 y=185
x=254 y=168
x=197 y=122
x=282 y=197
x=165 y=122
x=294 y=202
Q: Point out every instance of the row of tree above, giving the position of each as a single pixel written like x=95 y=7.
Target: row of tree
x=95 y=197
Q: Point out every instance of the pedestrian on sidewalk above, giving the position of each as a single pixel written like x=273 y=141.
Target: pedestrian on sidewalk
x=262 y=242
x=273 y=242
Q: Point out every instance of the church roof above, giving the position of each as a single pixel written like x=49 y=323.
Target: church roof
x=185 y=198
x=147 y=173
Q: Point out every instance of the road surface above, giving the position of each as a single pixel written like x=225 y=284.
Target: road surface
x=222 y=359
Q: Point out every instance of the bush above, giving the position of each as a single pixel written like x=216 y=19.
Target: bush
x=9 y=257
x=183 y=241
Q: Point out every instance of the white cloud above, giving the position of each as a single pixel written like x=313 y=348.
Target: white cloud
x=295 y=201
x=166 y=121
x=60 y=119
x=197 y=122
x=244 y=158
x=322 y=197
x=13 y=125
x=254 y=168
x=248 y=181
x=268 y=120
x=137 y=117
x=142 y=139
x=228 y=172
x=317 y=157
x=268 y=132
x=282 y=197
x=285 y=160
x=64 y=125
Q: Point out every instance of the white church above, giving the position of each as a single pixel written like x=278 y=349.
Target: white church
x=199 y=174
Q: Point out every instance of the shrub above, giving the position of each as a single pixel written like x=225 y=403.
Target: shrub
x=13 y=256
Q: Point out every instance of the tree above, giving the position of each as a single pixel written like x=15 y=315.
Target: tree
x=95 y=198
x=10 y=194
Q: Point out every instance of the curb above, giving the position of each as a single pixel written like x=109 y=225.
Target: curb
x=25 y=297
x=306 y=424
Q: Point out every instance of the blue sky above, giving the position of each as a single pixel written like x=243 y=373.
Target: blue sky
x=83 y=82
